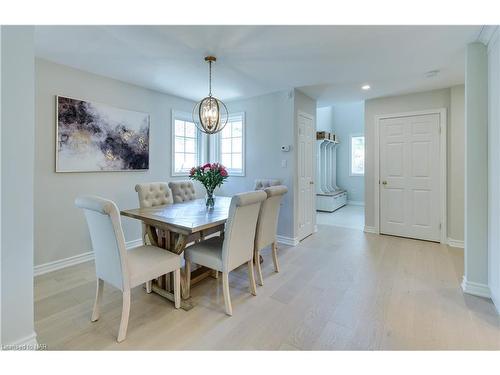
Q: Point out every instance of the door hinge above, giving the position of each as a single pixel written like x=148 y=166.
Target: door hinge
x=439 y=128
x=440 y=225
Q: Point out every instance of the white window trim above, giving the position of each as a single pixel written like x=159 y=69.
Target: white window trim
x=351 y=136
x=216 y=146
x=184 y=116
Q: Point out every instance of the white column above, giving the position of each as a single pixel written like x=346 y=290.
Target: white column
x=17 y=164
x=476 y=171
x=494 y=168
x=330 y=166
x=334 y=161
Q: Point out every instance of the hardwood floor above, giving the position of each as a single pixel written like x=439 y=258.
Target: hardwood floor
x=339 y=289
x=350 y=216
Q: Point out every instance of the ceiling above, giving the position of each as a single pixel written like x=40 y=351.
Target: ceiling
x=328 y=63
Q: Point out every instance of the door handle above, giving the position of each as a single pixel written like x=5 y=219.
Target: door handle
x=384 y=182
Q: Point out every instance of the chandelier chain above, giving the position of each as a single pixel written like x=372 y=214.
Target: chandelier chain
x=210 y=115
x=210 y=78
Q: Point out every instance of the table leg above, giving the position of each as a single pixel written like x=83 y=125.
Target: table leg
x=180 y=244
x=153 y=236
x=186 y=305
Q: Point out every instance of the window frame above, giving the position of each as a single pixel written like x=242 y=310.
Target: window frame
x=184 y=116
x=351 y=136
x=217 y=145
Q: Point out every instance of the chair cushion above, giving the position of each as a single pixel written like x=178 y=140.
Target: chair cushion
x=148 y=262
x=207 y=253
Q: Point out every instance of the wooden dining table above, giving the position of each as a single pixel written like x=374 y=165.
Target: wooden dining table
x=174 y=226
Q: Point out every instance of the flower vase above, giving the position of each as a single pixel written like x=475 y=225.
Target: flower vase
x=210 y=199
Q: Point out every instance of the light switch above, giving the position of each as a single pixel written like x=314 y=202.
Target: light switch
x=283 y=163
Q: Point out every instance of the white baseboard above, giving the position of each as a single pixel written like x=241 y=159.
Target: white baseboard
x=455 y=243
x=356 y=203
x=476 y=289
x=74 y=260
x=134 y=243
x=496 y=303
x=88 y=256
x=369 y=229
x=26 y=343
x=287 y=240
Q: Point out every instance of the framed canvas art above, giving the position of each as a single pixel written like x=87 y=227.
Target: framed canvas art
x=94 y=137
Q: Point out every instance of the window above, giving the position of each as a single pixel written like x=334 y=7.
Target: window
x=357 y=155
x=230 y=146
x=185 y=144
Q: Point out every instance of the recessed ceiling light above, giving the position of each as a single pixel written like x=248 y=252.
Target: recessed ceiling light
x=432 y=73
x=365 y=87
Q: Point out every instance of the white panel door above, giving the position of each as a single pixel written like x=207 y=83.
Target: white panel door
x=306 y=209
x=410 y=177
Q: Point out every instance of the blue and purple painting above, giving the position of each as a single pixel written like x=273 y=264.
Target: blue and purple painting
x=96 y=137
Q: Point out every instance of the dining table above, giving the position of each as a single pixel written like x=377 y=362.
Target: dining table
x=175 y=226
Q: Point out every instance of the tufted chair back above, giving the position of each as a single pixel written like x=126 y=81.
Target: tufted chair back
x=153 y=194
x=265 y=183
x=182 y=191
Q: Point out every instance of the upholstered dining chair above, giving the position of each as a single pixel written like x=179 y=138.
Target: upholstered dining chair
x=235 y=249
x=152 y=194
x=182 y=191
x=115 y=265
x=261 y=184
x=267 y=225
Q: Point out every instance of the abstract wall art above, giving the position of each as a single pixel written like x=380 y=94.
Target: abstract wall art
x=93 y=137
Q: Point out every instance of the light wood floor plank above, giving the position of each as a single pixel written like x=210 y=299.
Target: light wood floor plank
x=340 y=289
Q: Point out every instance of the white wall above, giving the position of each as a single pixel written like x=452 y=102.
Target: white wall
x=456 y=160
x=348 y=118
x=415 y=102
x=476 y=170
x=17 y=156
x=60 y=228
x=324 y=119
x=0 y=186
x=269 y=125
x=494 y=168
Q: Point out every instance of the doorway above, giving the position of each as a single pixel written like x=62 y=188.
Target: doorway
x=410 y=172
x=340 y=168
x=306 y=214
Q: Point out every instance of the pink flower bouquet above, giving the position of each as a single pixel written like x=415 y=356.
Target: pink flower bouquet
x=211 y=176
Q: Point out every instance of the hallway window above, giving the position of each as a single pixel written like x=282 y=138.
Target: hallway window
x=357 y=155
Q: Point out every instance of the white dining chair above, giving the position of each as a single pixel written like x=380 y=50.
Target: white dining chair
x=182 y=191
x=267 y=226
x=118 y=267
x=261 y=184
x=152 y=194
x=224 y=255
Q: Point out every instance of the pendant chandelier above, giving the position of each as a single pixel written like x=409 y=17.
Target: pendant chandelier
x=210 y=114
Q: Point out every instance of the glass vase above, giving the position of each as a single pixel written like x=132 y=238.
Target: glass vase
x=210 y=199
